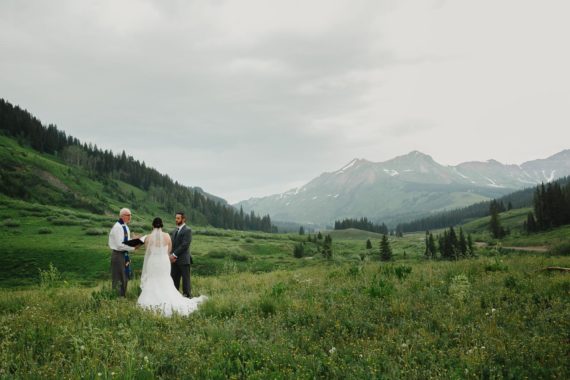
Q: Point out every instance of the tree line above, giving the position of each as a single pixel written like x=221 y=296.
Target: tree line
x=551 y=207
x=361 y=224
x=450 y=245
x=518 y=199
x=104 y=165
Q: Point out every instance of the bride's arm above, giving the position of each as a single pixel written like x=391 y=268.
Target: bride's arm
x=168 y=243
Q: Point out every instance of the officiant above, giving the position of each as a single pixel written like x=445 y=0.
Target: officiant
x=119 y=234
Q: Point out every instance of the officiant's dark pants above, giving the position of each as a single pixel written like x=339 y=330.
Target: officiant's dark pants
x=181 y=271
x=118 y=275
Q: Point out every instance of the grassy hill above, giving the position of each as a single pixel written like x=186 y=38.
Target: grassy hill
x=555 y=239
x=40 y=178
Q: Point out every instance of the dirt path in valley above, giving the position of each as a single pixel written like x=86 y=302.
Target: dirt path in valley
x=537 y=248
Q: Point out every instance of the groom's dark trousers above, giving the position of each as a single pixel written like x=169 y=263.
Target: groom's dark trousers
x=181 y=268
x=118 y=274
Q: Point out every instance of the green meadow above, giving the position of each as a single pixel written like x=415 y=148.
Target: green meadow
x=271 y=315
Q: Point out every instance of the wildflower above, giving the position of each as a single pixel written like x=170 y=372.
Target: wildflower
x=332 y=350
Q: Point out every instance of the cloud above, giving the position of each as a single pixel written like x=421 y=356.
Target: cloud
x=235 y=96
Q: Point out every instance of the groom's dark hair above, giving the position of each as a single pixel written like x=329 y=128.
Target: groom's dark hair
x=181 y=213
x=157 y=223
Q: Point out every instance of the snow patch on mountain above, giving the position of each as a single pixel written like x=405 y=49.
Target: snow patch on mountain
x=391 y=172
x=461 y=174
x=549 y=178
x=493 y=183
x=347 y=166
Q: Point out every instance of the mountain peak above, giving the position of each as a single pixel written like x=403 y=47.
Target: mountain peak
x=352 y=164
x=564 y=154
x=414 y=156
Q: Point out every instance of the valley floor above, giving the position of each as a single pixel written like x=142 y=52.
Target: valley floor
x=489 y=317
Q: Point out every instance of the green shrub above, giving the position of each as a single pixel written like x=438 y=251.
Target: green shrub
x=459 y=287
x=402 y=271
x=64 y=222
x=239 y=257
x=95 y=232
x=562 y=249
x=50 y=277
x=380 y=288
x=11 y=223
x=299 y=250
x=44 y=231
x=496 y=266
x=511 y=283
x=217 y=254
x=267 y=306
x=278 y=289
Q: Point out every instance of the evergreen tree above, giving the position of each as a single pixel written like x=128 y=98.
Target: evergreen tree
x=530 y=224
x=320 y=236
x=385 y=250
x=327 y=247
x=301 y=230
x=497 y=232
x=368 y=244
x=431 y=246
x=462 y=243
x=299 y=250
x=470 y=246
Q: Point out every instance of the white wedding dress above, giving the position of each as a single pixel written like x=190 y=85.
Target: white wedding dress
x=158 y=291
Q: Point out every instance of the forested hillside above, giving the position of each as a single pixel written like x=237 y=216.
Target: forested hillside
x=518 y=199
x=59 y=173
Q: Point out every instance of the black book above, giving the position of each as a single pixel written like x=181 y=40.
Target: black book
x=135 y=242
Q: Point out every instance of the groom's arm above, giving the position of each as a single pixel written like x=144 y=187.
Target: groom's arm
x=183 y=247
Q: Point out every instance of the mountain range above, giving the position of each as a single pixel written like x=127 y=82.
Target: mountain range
x=403 y=188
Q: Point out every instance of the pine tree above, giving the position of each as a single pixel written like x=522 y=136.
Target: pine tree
x=462 y=243
x=320 y=236
x=301 y=231
x=530 y=224
x=368 y=244
x=327 y=247
x=427 y=252
x=431 y=246
x=385 y=250
x=470 y=247
x=495 y=228
x=299 y=250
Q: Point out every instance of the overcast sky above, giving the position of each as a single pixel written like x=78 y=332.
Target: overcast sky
x=253 y=97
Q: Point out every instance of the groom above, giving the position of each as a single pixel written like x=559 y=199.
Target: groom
x=180 y=258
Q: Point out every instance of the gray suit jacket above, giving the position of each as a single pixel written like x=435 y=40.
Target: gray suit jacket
x=181 y=245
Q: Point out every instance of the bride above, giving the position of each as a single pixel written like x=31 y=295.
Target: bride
x=158 y=291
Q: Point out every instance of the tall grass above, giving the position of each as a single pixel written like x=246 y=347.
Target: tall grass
x=348 y=320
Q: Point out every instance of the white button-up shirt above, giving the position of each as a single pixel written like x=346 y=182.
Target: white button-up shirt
x=116 y=237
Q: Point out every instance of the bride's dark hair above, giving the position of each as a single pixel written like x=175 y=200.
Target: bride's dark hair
x=157 y=223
